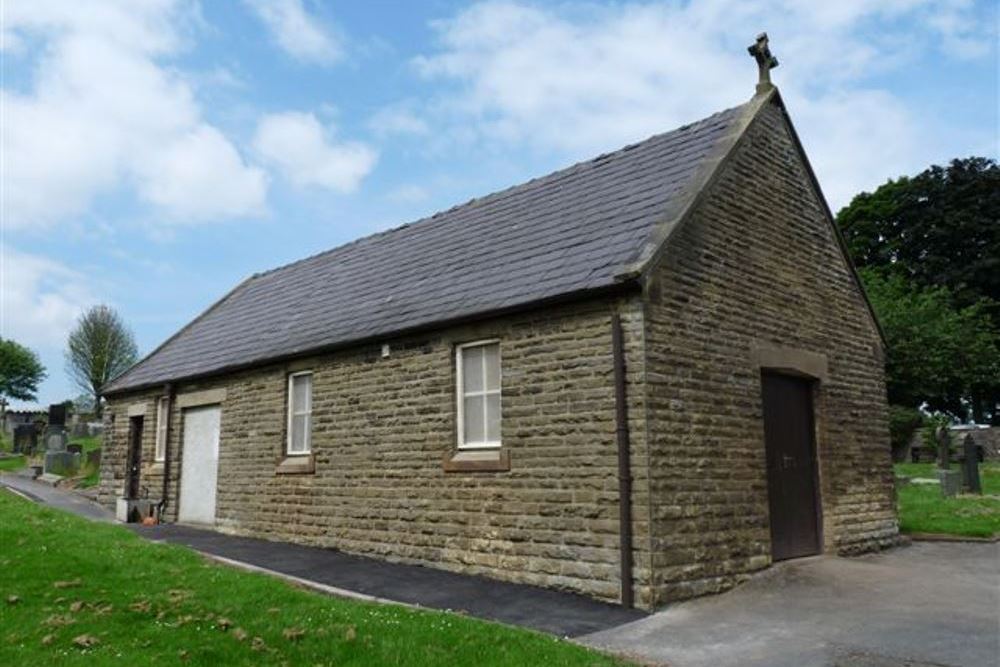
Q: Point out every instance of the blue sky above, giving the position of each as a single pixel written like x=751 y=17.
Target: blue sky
x=155 y=154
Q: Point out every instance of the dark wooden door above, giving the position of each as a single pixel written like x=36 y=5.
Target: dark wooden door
x=791 y=466
x=134 y=456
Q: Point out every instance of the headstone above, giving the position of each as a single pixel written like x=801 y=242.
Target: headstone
x=75 y=448
x=79 y=430
x=970 y=466
x=57 y=460
x=62 y=463
x=93 y=458
x=25 y=439
x=951 y=480
x=943 y=439
x=57 y=415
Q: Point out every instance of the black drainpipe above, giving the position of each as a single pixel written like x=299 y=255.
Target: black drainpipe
x=624 y=466
x=168 y=393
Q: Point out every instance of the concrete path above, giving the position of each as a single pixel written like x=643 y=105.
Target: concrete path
x=562 y=614
x=927 y=604
x=55 y=497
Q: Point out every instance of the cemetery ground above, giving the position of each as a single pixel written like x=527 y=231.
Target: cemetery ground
x=87 y=476
x=82 y=593
x=922 y=509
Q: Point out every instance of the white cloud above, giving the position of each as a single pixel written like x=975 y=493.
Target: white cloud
x=184 y=177
x=102 y=112
x=302 y=36
x=40 y=299
x=583 y=79
x=305 y=152
x=398 y=119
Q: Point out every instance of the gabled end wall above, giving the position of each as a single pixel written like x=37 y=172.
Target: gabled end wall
x=756 y=276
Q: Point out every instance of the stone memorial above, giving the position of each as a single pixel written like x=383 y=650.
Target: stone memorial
x=970 y=466
x=58 y=461
x=57 y=416
x=25 y=439
x=93 y=458
x=951 y=480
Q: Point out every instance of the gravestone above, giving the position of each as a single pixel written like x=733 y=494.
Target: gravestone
x=93 y=458
x=970 y=466
x=25 y=439
x=951 y=480
x=58 y=461
x=57 y=416
x=75 y=448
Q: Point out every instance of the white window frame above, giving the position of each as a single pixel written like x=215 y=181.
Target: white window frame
x=292 y=413
x=162 y=421
x=461 y=395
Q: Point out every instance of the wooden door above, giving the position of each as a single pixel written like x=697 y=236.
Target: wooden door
x=199 y=465
x=134 y=459
x=791 y=466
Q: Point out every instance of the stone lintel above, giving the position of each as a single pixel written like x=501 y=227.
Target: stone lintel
x=791 y=360
x=195 y=398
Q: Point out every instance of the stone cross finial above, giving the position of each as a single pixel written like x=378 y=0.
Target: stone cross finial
x=765 y=62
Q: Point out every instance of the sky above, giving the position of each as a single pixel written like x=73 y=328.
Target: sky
x=153 y=154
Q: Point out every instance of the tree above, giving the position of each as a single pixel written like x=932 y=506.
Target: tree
x=100 y=348
x=938 y=353
x=938 y=229
x=20 y=372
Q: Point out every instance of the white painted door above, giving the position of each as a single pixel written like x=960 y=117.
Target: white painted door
x=199 y=465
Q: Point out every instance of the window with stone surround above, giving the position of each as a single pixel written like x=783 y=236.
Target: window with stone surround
x=299 y=413
x=478 y=390
x=162 y=417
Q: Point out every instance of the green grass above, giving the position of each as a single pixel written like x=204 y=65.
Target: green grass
x=89 y=443
x=66 y=582
x=923 y=510
x=91 y=477
x=12 y=464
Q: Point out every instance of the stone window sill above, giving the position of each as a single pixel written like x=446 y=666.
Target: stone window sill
x=481 y=460
x=297 y=465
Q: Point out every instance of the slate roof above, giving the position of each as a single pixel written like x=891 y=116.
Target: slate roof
x=568 y=232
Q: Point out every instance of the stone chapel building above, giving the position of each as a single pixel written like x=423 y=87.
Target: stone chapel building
x=641 y=378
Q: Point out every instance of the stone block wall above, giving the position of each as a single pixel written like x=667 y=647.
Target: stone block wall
x=114 y=447
x=382 y=428
x=758 y=265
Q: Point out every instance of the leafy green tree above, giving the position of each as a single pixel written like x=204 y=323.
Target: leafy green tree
x=903 y=423
x=20 y=372
x=100 y=348
x=937 y=352
x=940 y=228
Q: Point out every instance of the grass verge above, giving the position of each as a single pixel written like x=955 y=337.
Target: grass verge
x=922 y=509
x=13 y=463
x=82 y=593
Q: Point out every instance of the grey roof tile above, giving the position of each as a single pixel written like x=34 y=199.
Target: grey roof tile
x=568 y=231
